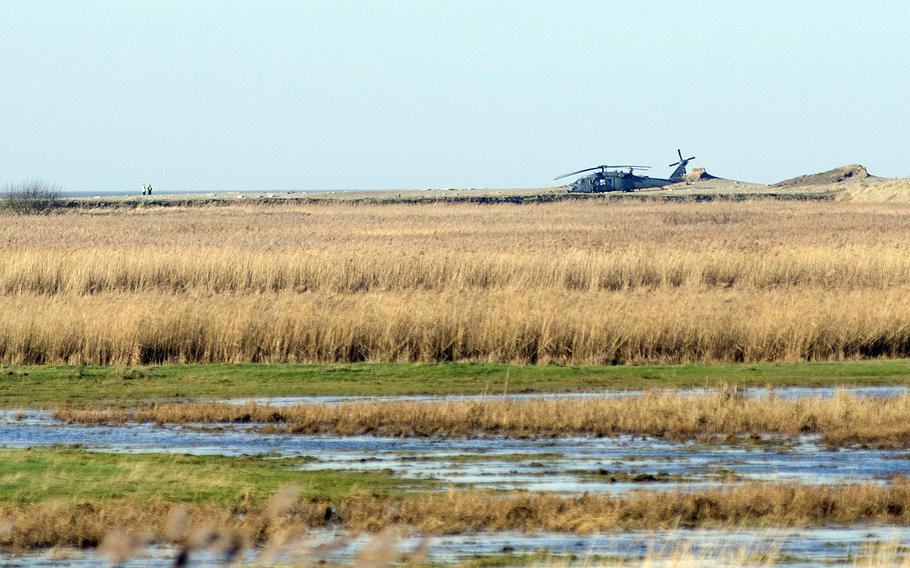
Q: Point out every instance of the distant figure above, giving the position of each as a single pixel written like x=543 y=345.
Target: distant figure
x=150 y=189
x=144 y=189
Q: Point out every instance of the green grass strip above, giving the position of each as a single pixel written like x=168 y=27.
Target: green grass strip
x=71 y=474
x=43 y=386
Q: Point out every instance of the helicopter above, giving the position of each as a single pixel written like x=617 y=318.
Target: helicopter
x=623 y=178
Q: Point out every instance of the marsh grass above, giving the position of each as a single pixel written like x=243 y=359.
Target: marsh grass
x=74 y=475
x=575 y=283
x=43 y=386
x=343 y=270
x=85 y=524
x=520 y=326
x=841 y=420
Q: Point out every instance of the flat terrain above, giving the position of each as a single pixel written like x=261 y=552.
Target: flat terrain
x=850 y=183
x=718 y=189
x=68 y=385
x=126 y=328
x=70 y=474
x=143 y=492
x=569 y=283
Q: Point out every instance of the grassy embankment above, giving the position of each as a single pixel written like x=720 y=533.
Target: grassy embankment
x=72 y=385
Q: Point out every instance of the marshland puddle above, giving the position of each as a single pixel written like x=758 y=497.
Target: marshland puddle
x=805 y=548
x=781 y=392
x=571 y=464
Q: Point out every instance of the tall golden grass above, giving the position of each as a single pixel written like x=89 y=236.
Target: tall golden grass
x=569 y=282
x=502 y=325
x=841 y=420
x=346 y=270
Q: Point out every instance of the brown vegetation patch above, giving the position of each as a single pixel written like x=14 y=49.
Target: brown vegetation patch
x=87 y=524
x=841 y=420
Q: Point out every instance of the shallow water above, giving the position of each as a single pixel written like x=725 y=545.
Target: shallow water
x=573 y=464
x=803 y=548
x=570 y=465
x=782 y=392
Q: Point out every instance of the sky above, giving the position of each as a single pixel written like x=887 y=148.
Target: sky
x=310 y=95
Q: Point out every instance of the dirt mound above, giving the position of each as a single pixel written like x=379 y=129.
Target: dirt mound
x=699 y=174
x=853 y=172
x=878 y=191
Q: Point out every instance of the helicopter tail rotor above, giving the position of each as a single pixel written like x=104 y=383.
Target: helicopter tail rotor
x=680 y=172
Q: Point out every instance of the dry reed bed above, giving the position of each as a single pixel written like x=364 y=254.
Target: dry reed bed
x=565 y=282
x=504 y=325
x=756 y=504
x=347 y=270
x=589 y=226
x=347 y=248
x=841 y=420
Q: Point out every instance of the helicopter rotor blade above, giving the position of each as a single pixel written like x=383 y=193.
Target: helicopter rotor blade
x=579 y=172
x=603 y=167
x=682 y=160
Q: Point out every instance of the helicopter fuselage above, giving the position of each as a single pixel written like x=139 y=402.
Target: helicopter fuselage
x=615 y=181
x=623 y=178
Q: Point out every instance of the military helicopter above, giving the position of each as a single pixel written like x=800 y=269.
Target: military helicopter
x=623 y=178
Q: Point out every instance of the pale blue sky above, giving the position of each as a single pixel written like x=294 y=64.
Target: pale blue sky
x=104 y=96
